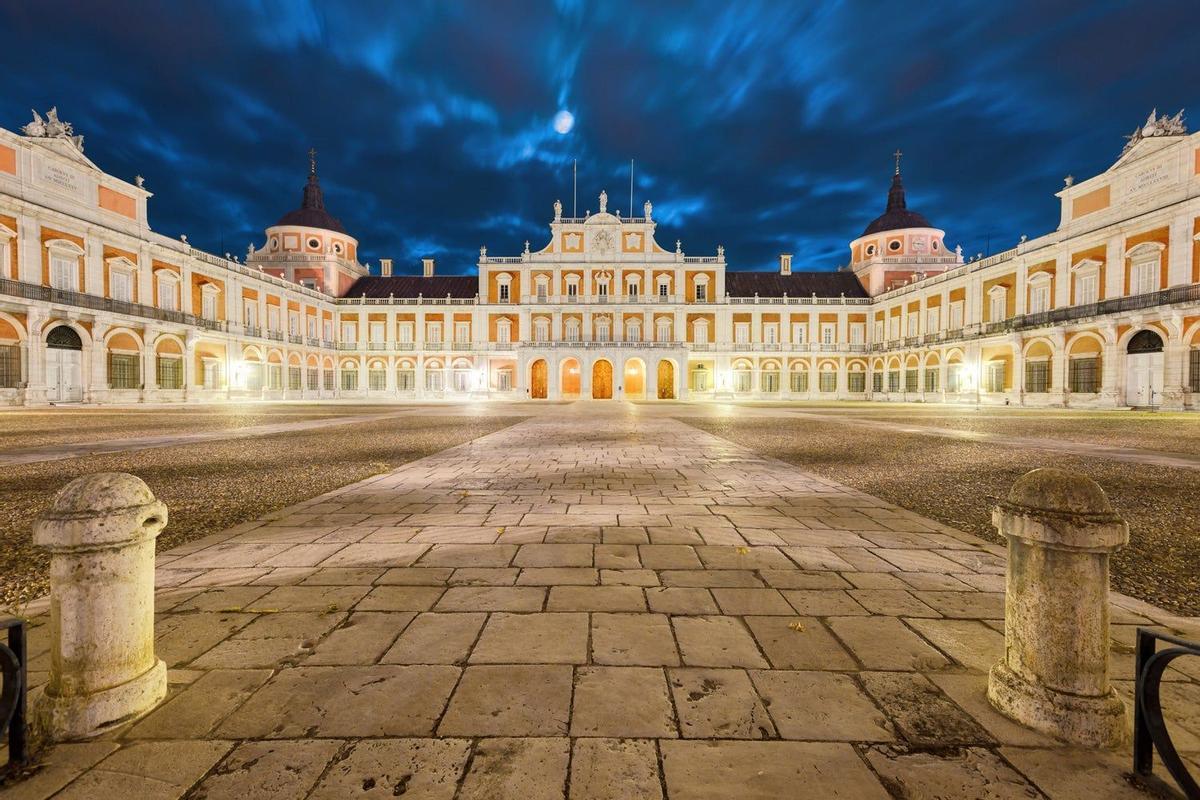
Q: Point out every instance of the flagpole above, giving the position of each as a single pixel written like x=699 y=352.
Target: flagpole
x=631 y=188
x=575 y=187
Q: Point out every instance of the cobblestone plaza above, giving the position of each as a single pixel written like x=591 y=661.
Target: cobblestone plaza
x=626 y=608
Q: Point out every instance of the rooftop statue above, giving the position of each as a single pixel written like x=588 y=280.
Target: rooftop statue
x=557 y=210
x=603 y=201
x=51 y=128
x=1156 y=125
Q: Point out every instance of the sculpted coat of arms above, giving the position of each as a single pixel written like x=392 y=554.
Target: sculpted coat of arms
x=603 y=241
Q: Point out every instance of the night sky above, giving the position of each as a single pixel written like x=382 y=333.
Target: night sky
x=764 y=126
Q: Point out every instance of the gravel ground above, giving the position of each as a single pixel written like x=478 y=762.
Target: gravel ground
x=21 y=429
x=958 y=482
x=212 y=486
x=1166 y=431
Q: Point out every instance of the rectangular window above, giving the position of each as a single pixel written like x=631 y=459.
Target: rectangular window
x=701 y=292
x=504 y=380
x=1084 y=375
x=994 y=376
x=1194 y=370
x=433 y=333
x=377 y=380
x=662 y=291
x=1085 y=289
x=877 y=382
x=931 y=380
x=349 y=380
x=856 y=382
x=253 y=377
x=894 y=381
x=504 y=333
x=64 y=273
x=997 y=307
x=504 y=289
x=406 y=380
x=208 y=306
x=742 y=381
x=295 y=379
x=741 y=333
x=879 y=331
x=633 y=291
x=911 y=380
x=894 y=328
x=911 y=325
x=572 y=291
x=700 y=379
x=1037 y=376
x=828 y=333
x=541 y=292
x=10 y=366
x=121 y=286
x=954 y=378
x=462 y=332
x=932 y=320
x=956 y=315
x=169 y=372
x=349 y=332
x=1039 y=299
x=328 y=380
x=273 y=318
x=314 y=379
x=294 y=323
x=602 y=291
x=168 y=291
x=250 y=313
x=434 y=380
x=857 y=332
x=212 y=373
x=700 y=332
x=406 y=333
x=377 y=331
x=1145 y=277
x=770 y=381
x=124 y=371
x=799 y=333
x=800 y=381
x=828 y=382
x=274 y=377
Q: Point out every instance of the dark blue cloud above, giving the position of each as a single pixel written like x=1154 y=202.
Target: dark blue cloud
x=760 y=125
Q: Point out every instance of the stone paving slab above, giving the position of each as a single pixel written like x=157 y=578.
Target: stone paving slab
x=594 y=603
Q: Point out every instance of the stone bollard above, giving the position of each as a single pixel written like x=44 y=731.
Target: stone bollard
x=100 y=532
x=1061 y=531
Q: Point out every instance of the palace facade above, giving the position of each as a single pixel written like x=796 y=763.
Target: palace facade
x=95 y=307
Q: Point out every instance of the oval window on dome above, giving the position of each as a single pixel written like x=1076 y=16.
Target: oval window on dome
x=314 y=243
x=870 y=249
x=274 y=242
x=894 y=245
x=935 y=245
x=337 y=247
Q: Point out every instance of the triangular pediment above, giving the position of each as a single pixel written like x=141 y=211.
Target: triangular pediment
x=66 y=148
x=1144 y=147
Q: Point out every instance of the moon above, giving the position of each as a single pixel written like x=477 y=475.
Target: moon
x=564 y=121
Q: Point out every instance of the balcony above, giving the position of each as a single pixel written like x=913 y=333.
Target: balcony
x=46 y=294
x=295 y=339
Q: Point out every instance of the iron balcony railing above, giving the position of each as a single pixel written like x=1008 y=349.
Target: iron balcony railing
x=66 y=297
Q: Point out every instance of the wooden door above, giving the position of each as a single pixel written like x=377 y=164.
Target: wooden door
x=537 y=380
x=602 y=376
x=666 y=380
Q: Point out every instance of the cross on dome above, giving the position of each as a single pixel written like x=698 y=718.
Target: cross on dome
x=897 y=154
x=312 y=161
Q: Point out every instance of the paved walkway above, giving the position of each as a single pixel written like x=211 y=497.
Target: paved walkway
x=593 y=603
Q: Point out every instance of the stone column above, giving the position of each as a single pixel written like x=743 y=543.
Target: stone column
x=100 y=532
x=1054 y=678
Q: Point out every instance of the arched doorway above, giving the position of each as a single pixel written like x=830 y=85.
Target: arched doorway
x=537 y=380
x=666 y=380
x=570 y=377
x=635 y=378
x=602 y=377
x=64 y=356
x=1144 y=369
